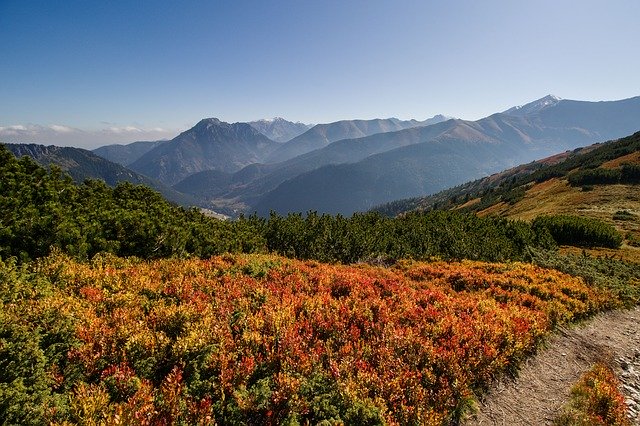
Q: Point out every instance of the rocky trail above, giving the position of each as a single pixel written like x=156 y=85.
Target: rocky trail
x=543 y=384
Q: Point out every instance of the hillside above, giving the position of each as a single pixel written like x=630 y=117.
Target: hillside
x=345 y=188
x=127 y=153
x=238 y=339
x=617 y=204
x=81 y=164
x=209 y=145
x=599 y=181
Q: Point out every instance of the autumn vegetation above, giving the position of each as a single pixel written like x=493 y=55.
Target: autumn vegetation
x=118 y=307
x=264 y=339
x=595 y=400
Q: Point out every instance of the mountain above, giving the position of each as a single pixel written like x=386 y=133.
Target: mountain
x=81 y=164
x=458 y=152
x=278 y=129
x=209 y=145
x=322 y=135
x=415 y=169
x=126 y=154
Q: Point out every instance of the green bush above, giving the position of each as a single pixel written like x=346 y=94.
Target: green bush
x=598 y=176
x=624 y=215
x=579 y=231
x=418 y=235
x=41 y=210
x=630 y=173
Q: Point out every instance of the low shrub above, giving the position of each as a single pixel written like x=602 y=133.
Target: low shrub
x=624 y=215
x=595 y=400
x=579 y=231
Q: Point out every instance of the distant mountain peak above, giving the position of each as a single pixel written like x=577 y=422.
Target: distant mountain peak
x=278 y=128
x=535 y=106
x=207 y=123
x=210 y=120
x=441 y=117
x=271 y=120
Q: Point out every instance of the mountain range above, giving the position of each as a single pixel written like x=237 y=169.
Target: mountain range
x=323 y=134
x=460 y=151
x=354 y=165
x=125 y=154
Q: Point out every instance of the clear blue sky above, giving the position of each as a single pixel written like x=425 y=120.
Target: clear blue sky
x=163 y=65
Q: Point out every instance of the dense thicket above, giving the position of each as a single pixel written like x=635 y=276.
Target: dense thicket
x=41 y=209
x=579 y=231
x=265 y=340
x=617 y=276
x=628 y=173
x=369 y=236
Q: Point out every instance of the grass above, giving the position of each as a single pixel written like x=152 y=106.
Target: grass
x=556 y=196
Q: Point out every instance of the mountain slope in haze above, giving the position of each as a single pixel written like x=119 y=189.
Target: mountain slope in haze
x=82 y=164
x=346 y=188
x=322 y=135
x=209 y=145
x=125 y=154
x=464 y=151
x=278 y=129
x=552 y=186
x=203 y=184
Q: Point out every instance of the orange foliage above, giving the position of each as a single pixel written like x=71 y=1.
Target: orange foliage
x=265 y=339
x=596 y=400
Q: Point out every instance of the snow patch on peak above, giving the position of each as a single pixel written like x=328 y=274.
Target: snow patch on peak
x=271 y=120
x=533 y=107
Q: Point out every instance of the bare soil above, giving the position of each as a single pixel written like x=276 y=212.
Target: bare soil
x=544 y=382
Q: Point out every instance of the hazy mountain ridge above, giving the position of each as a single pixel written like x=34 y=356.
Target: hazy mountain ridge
x=209 y=145
x=82 y=164
x=247 y=185
x=483 y=147
x=535 y=106
x=322 y=135
x=125 y=154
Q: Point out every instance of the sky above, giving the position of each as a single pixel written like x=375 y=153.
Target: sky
x=87 y=73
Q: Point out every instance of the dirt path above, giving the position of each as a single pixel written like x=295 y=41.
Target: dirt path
x=544 y=383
